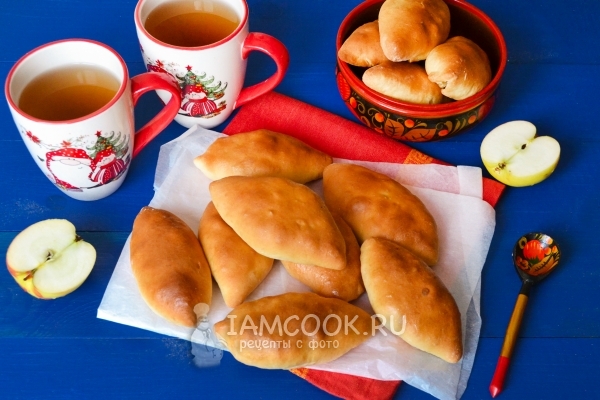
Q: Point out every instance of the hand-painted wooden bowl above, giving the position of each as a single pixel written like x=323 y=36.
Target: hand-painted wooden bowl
x=405 y=121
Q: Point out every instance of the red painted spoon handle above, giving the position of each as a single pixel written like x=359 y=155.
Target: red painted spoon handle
x=509 y=342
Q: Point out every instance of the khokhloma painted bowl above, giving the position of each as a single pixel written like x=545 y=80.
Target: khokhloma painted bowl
x=405 y=121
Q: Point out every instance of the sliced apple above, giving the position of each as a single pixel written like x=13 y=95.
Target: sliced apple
x=514 y=155
x=49 y=260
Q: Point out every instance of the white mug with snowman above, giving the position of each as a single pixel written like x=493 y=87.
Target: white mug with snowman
x=88 y=157
x=211 y=77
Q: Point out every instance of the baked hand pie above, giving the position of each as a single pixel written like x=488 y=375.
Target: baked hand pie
x=236 y=267
x=459 y=67
x=169 y=266
x=262 y=153
x=413 y=301
x=363 y=48
x=280 y=219
x=293 y=330
x=375 y=205
x=403 y=81
x=410 y=29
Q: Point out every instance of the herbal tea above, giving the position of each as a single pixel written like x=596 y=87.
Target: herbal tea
x=191 y=23
x=68 y=93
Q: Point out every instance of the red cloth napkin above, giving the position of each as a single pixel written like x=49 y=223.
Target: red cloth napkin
x=339 y=138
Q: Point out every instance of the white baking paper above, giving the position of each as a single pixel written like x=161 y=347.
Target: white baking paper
x=465 y=225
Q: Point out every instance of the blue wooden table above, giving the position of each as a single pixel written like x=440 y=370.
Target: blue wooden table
x=59 y=349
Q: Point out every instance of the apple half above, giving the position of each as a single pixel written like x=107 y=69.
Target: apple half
x=49 y=260
x=514 y=155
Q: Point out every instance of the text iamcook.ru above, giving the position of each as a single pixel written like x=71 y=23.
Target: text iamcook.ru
x=332 y=325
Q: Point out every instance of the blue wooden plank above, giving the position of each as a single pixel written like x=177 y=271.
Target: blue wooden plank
x=546 y=32
x=535 y=33
x=128 y=368
x=539 y=369
x=24 y=26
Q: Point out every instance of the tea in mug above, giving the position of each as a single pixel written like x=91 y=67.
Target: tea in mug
x=191 y=23
x=68 y=92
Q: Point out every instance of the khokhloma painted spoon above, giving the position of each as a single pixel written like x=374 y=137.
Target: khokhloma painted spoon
x=535 y=255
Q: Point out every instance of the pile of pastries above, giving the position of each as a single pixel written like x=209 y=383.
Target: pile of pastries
x=367 y=233
x=409 y=56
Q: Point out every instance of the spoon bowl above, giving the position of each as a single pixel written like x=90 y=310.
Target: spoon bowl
x=535 y=255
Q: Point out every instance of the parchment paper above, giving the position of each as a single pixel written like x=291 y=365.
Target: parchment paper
x=465 y=225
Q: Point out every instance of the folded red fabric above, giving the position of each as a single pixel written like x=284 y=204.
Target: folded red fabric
x=349 y=387
x=342 y=139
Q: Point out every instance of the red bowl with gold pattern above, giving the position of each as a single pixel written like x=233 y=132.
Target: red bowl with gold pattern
x=405 y=121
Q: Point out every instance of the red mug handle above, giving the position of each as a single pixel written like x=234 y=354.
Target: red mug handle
x=143 y=83
x=274 y=49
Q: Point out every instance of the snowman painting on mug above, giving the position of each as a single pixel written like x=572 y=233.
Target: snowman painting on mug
x=102 y=161
x=200 y=95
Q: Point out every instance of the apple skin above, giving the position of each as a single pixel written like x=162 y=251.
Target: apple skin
x=28 y=286
x=25 y=279
x=515 y=156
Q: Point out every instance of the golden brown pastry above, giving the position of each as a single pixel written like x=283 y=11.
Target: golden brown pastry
x=410 y=29
x=400 y=285
x=280 y=219
x=375 y=205
x=460 y=67
x=345 y=284
x=403 y=81
x=236 y=267
x=362 y=48
x=293 y=330
x=169 y=266
x=262 y=153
